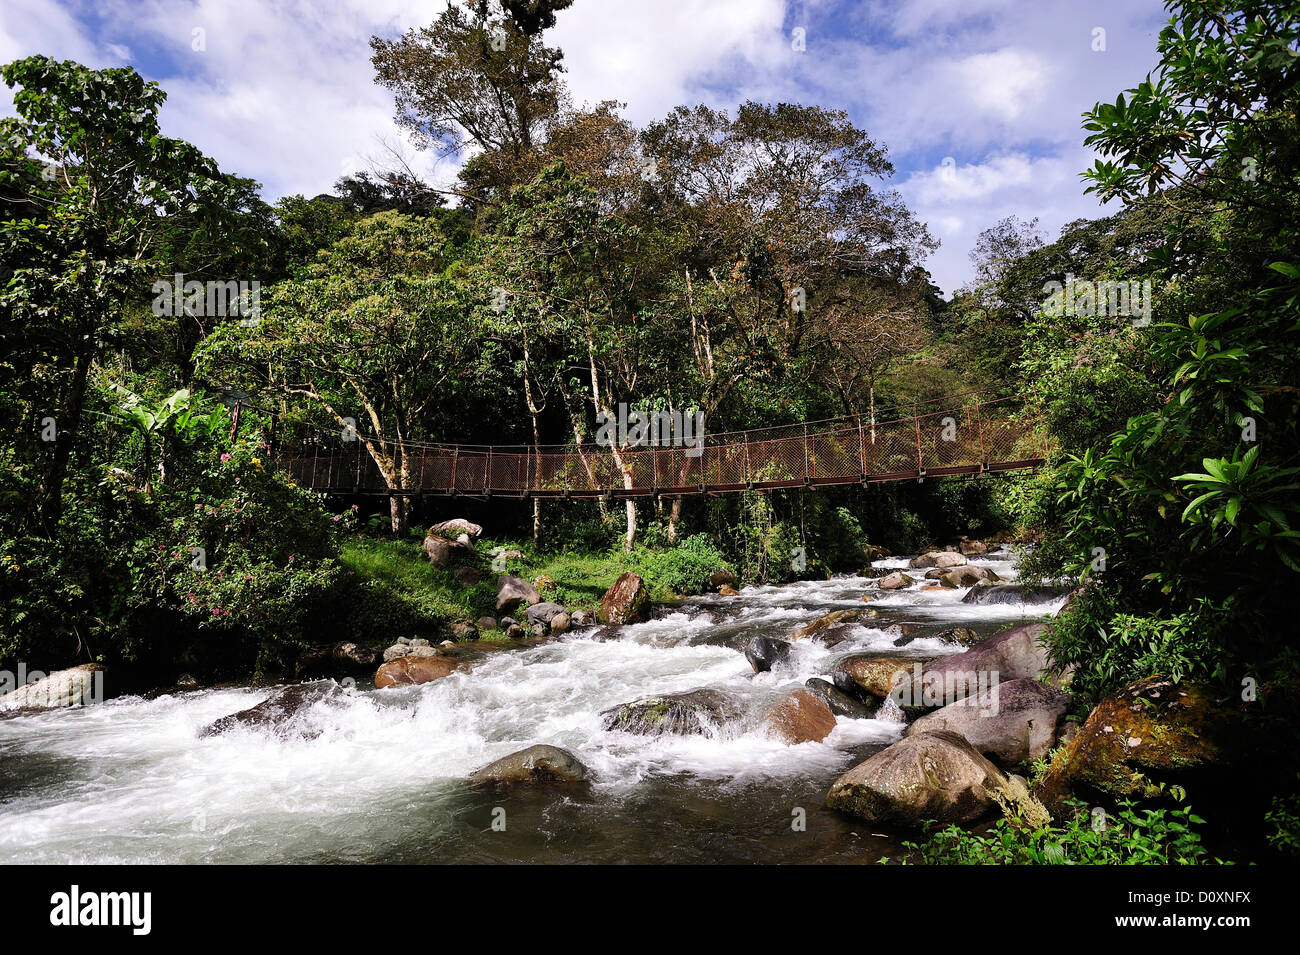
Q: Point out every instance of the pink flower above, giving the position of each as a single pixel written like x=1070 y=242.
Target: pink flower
x=336 y=518
x=225 y=457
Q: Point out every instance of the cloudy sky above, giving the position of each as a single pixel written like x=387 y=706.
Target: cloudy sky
x=978 y=101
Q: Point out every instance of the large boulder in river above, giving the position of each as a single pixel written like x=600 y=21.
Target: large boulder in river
x=513 y=591
x=968 y=576
x=1014 y=654
x=1152 y=733
x=973 y=548
x=876 y=675
x=930 y=776
x=801 y=717
x=763 y=653
x=284 y=712
x=942 y=559
x=627 y=601
x=1011 y=723
x=995 y=593
x=697 y=711
x=895 y=581
x=536 y=764
x=74 y=686
x=412 y=670
x=840 y=703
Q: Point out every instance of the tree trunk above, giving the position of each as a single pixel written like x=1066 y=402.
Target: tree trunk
x=629 y=538
x=399 y=504
x=674 y=515
x=52 y=505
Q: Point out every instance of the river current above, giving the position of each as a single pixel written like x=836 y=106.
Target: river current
x=131 y=781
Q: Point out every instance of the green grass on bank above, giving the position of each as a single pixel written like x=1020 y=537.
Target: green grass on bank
x=401 y=594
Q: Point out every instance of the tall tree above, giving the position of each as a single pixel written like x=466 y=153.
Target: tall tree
x=370 y=335
x=100 y=202
x=478 y=75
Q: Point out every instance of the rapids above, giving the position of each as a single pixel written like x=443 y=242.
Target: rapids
x=131 y=781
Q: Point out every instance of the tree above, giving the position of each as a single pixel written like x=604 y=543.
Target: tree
x=477 y=76
x=370 y=335
x=1194 y=501
x=98 y=199
x=789 y=213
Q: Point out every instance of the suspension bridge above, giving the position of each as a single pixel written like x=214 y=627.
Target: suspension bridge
x=972 y=438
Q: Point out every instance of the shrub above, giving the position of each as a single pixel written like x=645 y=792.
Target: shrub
x=1133 y=837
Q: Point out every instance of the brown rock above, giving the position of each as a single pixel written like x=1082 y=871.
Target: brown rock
x=627 y=601
x=875 y=674
x=895 y=581
x=801 y=717
x=411 y=670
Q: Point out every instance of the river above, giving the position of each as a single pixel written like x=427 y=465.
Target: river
x=131 y=781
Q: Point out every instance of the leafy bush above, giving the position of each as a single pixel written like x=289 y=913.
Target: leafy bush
x=1110 y=648
x=1134 y=837
x=683 y=569
x=1284 y=818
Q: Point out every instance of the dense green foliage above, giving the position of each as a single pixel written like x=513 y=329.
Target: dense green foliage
x=1133 y=837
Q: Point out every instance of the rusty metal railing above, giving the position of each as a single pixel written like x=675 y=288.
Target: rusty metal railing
x=978 y=437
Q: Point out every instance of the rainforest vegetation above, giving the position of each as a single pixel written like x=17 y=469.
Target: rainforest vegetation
x=752 y=264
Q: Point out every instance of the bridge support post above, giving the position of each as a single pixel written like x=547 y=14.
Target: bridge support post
x=920 y=464
x=862 y=451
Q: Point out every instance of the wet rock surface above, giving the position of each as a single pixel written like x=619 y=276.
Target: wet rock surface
x=696 y=712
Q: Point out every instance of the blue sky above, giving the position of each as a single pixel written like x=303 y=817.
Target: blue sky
x=978 y=101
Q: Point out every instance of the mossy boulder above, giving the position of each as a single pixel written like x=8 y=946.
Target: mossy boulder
x=875 y=675
x=701 y=712
x=536 y=764
x=1152 y=733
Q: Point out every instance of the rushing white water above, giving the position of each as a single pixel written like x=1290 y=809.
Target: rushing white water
x=131 y=780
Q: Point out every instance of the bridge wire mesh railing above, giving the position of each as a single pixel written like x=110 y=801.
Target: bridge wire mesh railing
x=980 y=436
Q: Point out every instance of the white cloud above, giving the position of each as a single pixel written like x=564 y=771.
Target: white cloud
x=960 y=202
x=1004 y=82
x=285 y=93
x=655 y=55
